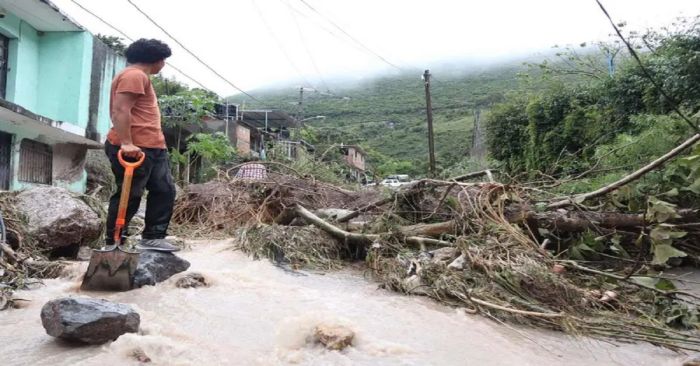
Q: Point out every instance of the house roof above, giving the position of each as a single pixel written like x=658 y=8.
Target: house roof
x=275 y=119
x=43 y=15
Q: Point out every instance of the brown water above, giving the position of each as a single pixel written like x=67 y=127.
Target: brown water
x=257 y=314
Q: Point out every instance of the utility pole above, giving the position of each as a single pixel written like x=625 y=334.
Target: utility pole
x=300 y=110
x=429 y=110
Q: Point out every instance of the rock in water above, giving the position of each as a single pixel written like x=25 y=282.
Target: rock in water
x=334 y=337
x=93 y=321
x=56 y=218
x=157 y=267
x=192 y=280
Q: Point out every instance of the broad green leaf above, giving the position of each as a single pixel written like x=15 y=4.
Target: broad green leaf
x=645 y=281
x=664 y=252
x=672 y=193
x=617 y=248
x=664 y=284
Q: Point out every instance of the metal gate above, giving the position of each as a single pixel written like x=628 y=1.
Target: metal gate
x=5 y=159
x=35 y=162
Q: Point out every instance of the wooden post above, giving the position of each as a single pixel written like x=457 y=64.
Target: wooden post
x=429 y=110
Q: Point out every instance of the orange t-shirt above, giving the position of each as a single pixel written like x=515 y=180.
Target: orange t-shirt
x=146 y=131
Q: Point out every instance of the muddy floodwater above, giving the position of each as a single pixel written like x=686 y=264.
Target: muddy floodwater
x=257 y=314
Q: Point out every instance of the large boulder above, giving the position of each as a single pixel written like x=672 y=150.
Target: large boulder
x=157 y=267
x=57 y=218
x=93 y=321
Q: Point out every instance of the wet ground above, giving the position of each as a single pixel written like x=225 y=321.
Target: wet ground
x=257 y=314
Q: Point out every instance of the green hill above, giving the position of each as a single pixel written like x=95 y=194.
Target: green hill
x=387 y=115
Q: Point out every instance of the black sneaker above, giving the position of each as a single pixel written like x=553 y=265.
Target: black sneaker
x=160 y=245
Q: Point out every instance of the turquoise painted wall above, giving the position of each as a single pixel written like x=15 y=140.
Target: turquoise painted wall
x=23 y=72
x=65 y=63
x=50 y=74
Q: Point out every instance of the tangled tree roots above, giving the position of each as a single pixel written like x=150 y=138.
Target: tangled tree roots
x=296 y=246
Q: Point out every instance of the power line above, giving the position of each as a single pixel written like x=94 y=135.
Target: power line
x=190 y=52
x=279 y=44
x=350 y=36
x=132 y=40
x=306 y=46
x=654 y=82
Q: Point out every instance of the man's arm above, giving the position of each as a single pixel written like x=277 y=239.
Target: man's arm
x=121 y=118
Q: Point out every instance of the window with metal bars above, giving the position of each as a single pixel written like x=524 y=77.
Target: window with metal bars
x=35 y=162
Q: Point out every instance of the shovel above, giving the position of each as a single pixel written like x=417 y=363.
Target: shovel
x=113 y=268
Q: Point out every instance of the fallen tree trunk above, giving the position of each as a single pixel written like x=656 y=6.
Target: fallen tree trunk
x=360 y=210
x=560 y=220
x=569 y=201
x=432 y=230
x=361 y=239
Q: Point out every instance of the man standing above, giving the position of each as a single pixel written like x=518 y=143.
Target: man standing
x=136 y=130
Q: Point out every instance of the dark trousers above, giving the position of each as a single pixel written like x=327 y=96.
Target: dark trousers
x=154 y=175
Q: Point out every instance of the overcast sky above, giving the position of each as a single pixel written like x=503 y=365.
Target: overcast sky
x=257 y=43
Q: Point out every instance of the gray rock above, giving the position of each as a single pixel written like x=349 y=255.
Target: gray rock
x=57 y=218
x=93 y=321
x=157 y=267
x=459 y=263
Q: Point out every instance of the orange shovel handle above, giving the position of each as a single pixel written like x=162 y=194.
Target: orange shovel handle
x=126 y=192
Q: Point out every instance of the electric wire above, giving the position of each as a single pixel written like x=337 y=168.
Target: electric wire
x=279 y=43
x=132 y=40
x=192 y=53
x=380 y=57
x=306 y=47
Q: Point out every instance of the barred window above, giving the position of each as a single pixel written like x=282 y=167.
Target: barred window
x=35 y=162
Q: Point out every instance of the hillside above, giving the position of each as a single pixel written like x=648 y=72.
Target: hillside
x=387 y=115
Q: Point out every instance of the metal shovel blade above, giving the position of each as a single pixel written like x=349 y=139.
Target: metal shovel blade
x=110 y=270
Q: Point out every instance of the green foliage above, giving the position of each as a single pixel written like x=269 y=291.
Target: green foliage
x=606 y=122
x=167 y=86
x=185 y=108
x=212 y=149
x=387 y=115
x=215 y=148
x=115 y=43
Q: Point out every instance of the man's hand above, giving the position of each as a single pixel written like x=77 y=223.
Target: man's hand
x=131 y=151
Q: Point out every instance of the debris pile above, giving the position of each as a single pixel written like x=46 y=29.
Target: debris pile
x=487 y=247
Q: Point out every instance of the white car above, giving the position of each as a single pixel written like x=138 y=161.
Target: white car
x=390 y=183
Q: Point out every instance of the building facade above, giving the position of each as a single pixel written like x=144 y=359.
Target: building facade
x=354 y=157
x=54 y=95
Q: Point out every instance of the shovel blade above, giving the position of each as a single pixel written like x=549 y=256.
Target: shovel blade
x=110 y=270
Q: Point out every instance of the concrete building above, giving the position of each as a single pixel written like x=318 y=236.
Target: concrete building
x=54 y=95
x=354 y=157
x=256 y=132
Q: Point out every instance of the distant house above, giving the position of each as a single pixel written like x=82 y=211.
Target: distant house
x=354 y=157
x=258 y=131
x=54 y=96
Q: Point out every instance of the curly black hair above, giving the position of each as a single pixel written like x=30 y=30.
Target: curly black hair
x=147 y=51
